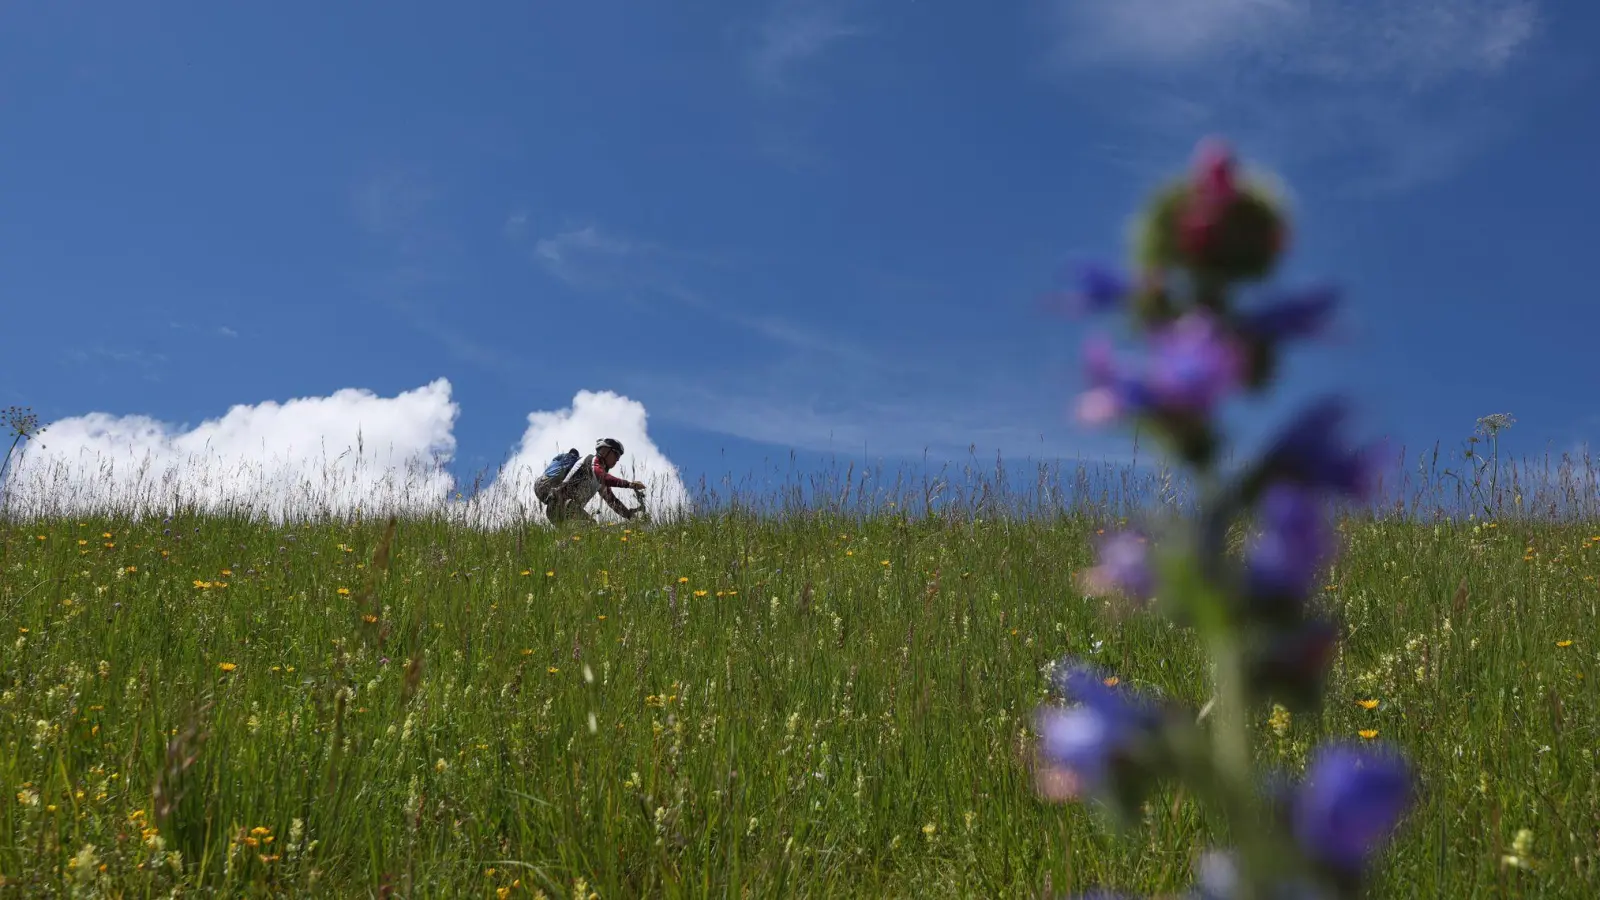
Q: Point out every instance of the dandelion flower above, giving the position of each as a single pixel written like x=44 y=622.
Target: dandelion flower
x=1368 y=734
x=550 y=573
x=343 y=592
x=1367 y=704
x=553 y=670
x=683 y=580
x=227 y=666
x=1281 y=720
x=1563 y=644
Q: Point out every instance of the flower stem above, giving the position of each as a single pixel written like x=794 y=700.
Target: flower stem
x=1231 y=757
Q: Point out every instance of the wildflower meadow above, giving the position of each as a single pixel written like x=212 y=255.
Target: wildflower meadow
x=1309 y=676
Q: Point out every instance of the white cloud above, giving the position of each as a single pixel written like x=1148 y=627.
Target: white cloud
x=308 y=455
x=793 y=33
x=317 y=456
x=1395 y=89
x=594 y=258
x=1417 y=41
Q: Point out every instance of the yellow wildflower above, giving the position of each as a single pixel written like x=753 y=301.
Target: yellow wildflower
x=227 y=666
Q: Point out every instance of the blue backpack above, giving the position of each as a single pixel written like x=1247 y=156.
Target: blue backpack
x=555 y=473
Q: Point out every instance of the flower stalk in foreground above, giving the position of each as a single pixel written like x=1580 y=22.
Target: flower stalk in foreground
x=1270 y=645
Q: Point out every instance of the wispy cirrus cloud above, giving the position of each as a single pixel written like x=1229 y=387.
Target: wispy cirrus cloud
x=792 y=34
x=834 y=409
x=1394 y=91
x=785 y=53
x=593 y=258
x=815 y=389
x=395 y=208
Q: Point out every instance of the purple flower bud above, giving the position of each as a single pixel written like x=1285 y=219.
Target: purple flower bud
x=1212 y=191
x=1099 y=288
x=1311 y=451
x=1124 y=567
x=1300 y=315
x=1284 y=561
x=1350 y=803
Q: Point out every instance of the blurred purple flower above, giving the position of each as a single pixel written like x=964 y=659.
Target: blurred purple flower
x=1193 y=363
x=1350 y=803
x=1081 y=745
x=1311 y=451
x=1099 y=287
x=1298 y=315
x=1123 y=567
x=1294 y=545
x=1113 y=390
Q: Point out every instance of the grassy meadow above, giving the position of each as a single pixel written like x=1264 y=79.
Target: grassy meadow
x=824 y=704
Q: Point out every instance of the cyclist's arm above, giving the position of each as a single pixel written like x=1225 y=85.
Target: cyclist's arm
x=617 y=506
x=608 y=479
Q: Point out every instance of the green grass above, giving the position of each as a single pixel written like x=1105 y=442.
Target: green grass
x=843 y=712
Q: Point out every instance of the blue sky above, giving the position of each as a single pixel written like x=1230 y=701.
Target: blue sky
x=799 y=225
